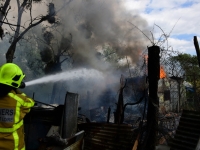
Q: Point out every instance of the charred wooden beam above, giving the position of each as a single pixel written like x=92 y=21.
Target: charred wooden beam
x=108 y=116
x=196 y=45
x=119 y=115
x=152 y=113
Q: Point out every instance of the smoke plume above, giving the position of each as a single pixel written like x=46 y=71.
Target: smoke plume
x=94 y=23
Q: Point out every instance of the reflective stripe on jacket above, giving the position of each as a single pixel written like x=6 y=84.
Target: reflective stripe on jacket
x=13 y=108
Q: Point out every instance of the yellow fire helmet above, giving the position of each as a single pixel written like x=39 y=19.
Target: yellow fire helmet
x=11 y=74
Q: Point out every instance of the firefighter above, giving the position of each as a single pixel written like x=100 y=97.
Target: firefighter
x=14 y=105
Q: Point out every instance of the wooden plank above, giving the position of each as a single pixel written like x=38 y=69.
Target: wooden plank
x=70 y=114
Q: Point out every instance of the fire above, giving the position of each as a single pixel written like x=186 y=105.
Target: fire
x=162 y=72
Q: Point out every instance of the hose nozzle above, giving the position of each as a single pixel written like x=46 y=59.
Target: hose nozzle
x=22 y=86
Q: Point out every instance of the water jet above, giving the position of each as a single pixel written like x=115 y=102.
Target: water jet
x=85 y=74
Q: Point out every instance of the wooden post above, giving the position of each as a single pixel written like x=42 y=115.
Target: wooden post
x=153 y=102
x=119 y=114
x=196 y=44
x=108 y=116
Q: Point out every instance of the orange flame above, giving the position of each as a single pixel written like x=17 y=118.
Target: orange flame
x=162 y=72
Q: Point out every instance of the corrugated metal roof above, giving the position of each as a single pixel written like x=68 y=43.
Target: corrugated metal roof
x=188 y=131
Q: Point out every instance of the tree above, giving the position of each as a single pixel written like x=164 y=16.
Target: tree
x=52 y=54
x=110 y=55
x=191 y=73
x=3 y=14
x=18 y=29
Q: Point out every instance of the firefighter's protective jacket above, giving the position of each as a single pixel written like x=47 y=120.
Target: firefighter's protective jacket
x=13 y=107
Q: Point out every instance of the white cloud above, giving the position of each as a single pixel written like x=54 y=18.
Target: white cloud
x=136 y=5
x=182 y=45
x=166 y=13
x=187 y=18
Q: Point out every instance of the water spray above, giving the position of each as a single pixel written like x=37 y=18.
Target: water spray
x=85 y=74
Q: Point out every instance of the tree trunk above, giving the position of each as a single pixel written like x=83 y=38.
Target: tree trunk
x=11 y=50
x=2 y=14
x=196 y=45
x=10 y=53
x=119 y=114
x=3 y=11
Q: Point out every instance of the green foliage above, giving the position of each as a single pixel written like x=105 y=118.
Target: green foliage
x=110 y=55
x=48 y=36
x=186 y=59
x=191 y=69
x=28 y=58
x=189 y=64
x=35 y=63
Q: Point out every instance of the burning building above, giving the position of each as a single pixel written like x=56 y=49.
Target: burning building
x=171 y=92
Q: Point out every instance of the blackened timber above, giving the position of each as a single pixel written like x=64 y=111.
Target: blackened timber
x=153 y=103
x=108 y=116
x=119 y=115
x=196 y=45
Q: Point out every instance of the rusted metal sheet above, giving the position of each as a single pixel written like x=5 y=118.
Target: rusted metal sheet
x=188 y=131
x=36 y=125
x=101 y=136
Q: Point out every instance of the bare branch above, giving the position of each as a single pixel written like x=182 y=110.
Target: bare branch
x=31 y=12
x=3 y=10
x=164 y=34
x=24 y=4
x=160 y=29
x=142 y=33
x=63 y=6
x=27 y=29
x=6 y=13
x=63 y=60
x=174 y=26
x=152 y=36
x=12 y=24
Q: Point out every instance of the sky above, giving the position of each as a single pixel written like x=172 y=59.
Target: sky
x=179 y=18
